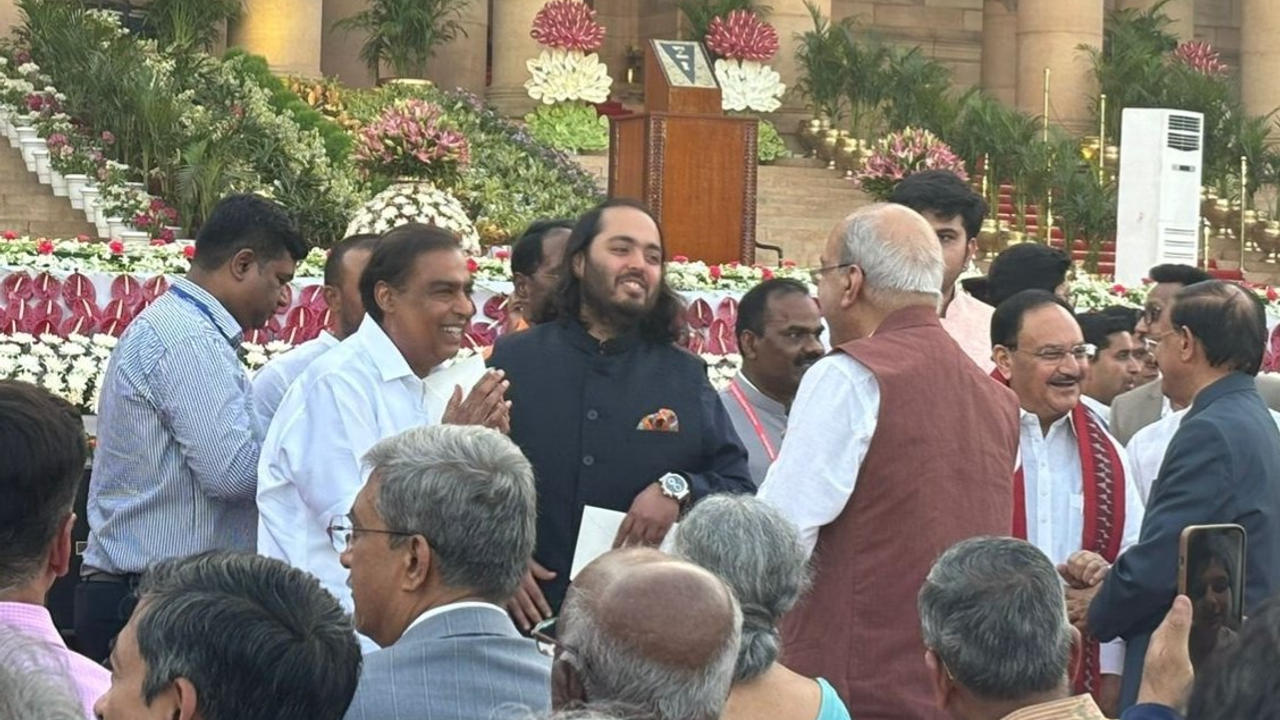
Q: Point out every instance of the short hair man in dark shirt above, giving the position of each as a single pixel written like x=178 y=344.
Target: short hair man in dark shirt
x=608 y=410
x=536 y=257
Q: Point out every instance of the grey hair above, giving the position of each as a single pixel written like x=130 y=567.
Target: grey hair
x=468 y=490
x=757 y=552
x=993 y=611
x=615 y=673
x=34 y=684
x=891 y=267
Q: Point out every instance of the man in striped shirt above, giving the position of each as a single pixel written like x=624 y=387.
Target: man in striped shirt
x=175 y=469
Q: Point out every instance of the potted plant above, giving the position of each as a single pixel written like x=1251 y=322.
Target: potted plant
x=404 y=34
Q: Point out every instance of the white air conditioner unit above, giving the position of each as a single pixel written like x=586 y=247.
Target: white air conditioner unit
x=1158 y=213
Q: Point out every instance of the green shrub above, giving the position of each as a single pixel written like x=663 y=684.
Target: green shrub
x=569 y=126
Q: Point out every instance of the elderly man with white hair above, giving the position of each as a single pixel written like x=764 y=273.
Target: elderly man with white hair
x=437 y=542
x=897 y=447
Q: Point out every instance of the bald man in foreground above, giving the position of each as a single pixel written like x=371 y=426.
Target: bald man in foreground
x=645 y=630
x=900 y=412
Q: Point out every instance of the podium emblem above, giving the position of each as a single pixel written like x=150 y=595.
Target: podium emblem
x=684 y=64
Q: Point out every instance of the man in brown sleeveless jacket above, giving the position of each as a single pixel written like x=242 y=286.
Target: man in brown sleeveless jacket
x=897 y=447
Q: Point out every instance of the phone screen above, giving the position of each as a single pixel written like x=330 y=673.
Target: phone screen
x=1212 y=566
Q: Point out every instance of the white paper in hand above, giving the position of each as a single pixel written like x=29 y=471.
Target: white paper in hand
x=596 y=533
x=464 y=373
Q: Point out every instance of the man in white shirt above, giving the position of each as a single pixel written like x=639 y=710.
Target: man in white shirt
x=1113 y=366
x=437 y=541
x=1074 y=490
x=900 y=412
x=391 y=375
x=342 y=271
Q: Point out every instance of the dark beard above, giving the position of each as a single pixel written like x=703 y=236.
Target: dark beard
x=595 y=293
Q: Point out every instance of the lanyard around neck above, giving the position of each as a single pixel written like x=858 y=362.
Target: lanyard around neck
x=750 y=411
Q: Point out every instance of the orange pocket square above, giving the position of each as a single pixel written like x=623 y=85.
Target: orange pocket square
x=664 y=420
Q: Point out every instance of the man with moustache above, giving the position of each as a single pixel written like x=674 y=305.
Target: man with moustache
x=610 y=412
x=1074 y=490
x=779 y=336
x=342 y=271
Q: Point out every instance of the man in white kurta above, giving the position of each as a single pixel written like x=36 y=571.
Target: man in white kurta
x=1040 y=352
x=394 y=373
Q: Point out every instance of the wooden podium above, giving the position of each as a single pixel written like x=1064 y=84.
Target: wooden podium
x=694 y=167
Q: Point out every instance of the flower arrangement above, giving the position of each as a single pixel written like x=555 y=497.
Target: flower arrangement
x=411 y=139
x=564 y=71
x=84 y=254
x=569 y=126
x=409 y=202
x=568 y=25
x=899 y=154
x=157 y=221
x=744 y=43
x=1201 y=57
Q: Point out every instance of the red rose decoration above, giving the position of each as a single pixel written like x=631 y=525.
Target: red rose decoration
x=472 y=265
x=788 y=263
x=699 y=314
x=189 y=251
x=680 y=259
x=116 y=247
x=45 y=247
x=502 y=254
x=46 y=286
x=714 y=272
x=1272 y=295
x=1118 y=289
x=766 y=273
x=10 y=235
x=83 y=238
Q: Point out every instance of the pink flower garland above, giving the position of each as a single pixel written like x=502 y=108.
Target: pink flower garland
x=742 y=36
x=569 y=25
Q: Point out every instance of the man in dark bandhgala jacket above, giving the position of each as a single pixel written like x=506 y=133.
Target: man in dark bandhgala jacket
x=1223 y=466
x=610 y=412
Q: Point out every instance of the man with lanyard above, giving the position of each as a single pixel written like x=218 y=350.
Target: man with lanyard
x=175 y=468
x=779 y=336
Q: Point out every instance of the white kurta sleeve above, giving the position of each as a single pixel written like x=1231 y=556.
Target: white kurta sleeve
x=828 y=433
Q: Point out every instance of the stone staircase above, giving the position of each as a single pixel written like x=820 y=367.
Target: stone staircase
x=798 y=201
x=30 y=208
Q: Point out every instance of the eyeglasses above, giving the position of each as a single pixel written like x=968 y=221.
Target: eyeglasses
x=342 y=531
x=1055 y=355
x=1151 y=342
x=815 y=274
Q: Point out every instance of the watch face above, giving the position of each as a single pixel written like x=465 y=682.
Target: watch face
x=674 y=484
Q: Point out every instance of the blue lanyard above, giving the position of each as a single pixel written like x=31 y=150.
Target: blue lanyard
x=176 y=290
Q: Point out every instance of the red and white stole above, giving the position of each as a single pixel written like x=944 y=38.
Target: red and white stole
x=1103 y=482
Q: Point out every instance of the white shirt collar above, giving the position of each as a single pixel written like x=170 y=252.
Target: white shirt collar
x=1103 y=411
x=386 y=357
x=1031 y=420
x=449 y=607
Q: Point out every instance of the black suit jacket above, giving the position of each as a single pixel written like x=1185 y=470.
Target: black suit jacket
x=1223 y=466
x=575 y=407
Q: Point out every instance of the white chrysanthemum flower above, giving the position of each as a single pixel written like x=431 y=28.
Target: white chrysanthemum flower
x=749 y=85
x=418 y=202
x=255 y=359
x=9 y=350
x=104 y=340
x=562 y=75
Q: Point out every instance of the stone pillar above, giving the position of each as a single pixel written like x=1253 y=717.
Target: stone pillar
x=1182 y=13
x=340 y=50
x=1000 y=51
x=286 y=32
x=791 y=18
x=464 y=61
x=512 y=48
x=1259 y=55
x=1049 y=32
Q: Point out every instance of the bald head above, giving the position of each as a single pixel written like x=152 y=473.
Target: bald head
x=654 y=632
x=896 y=248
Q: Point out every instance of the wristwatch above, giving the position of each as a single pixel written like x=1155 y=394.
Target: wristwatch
x=674 y=486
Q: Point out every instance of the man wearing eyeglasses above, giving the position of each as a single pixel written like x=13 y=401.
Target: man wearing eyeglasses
x=897 y=447
x=436 y=542
x=1074 y=490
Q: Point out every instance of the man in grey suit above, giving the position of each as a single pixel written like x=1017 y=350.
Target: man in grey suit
x=436 y=542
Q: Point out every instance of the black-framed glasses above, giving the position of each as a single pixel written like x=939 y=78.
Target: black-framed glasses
x=342 y=531
x=815 y=274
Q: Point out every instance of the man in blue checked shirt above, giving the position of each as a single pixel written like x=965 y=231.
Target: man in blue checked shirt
x=175 y=469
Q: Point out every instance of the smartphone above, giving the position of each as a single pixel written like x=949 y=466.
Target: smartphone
x=1211 y=574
